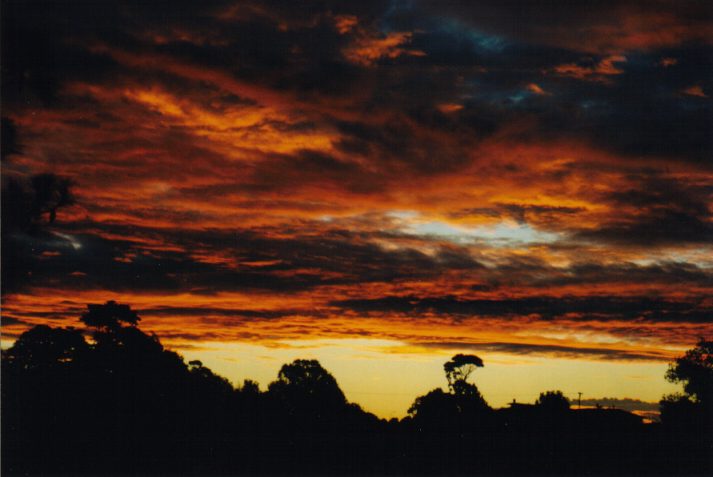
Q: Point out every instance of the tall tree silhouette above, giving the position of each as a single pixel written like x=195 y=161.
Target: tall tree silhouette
x=462 y=405
x=688 y=417
x=695 y=371
x=692 y=410
x=458 y=369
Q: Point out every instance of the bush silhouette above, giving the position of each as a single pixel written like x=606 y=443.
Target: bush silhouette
x=553 y=402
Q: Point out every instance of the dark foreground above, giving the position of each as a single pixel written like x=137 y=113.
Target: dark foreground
x=122 y=404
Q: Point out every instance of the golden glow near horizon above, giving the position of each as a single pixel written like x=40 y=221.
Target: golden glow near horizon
x=385 y=377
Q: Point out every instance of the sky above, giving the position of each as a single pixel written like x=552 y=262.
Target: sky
x=377 y=185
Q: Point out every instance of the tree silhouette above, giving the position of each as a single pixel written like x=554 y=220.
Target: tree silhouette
x=458 y=369
x=688 y=416
x=679 y=411
x=43 y=346
x=439 y=406
x=109 y=316
x=306 y=385
x=463 y=404
x=250 y=387
x=435 y=409
x=553 y=402
x=695 y=371
x=691 y=414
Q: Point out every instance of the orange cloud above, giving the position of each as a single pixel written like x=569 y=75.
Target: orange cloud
x=368 y=49
x=345 y=23
x=536 y=89
x=596 y=72
x=695 y=90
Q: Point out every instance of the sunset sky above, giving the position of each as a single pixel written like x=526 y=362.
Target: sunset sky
x=377 y=185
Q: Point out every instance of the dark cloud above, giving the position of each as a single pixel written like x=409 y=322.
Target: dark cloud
x=300 y=262
x=593 y=273
x=401 y=147
x=223 y=312
x=522 y=213
x=588 y=26
x=667 y=212
x=12 y=321
x=309 y=168
x=643 y=113
x=626 y=404
x=561 y=351
x=663 y=228
x=544 y=307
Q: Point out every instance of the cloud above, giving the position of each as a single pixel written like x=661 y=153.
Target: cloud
x=536 y=89
x=695 y=90
x=663 y=211
x=366 y=51
x=601 y=26
x=543 y=307
x=11 y=321
x=552 y=350
x=663 y=227
x=228 y=260
x=206 y=312
x=509 y=162
x=598 y=71
x=626 y=404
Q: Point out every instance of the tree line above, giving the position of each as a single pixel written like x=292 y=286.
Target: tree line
x=121 y=403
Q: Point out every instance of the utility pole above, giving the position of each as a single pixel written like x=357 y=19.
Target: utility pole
x=579 y=401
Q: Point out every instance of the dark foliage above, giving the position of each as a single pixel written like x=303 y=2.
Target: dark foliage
x=553 y=402
x=122 y=404
x=689 y=416
x=695 y=371
x=109 y=316
x=459 y=368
